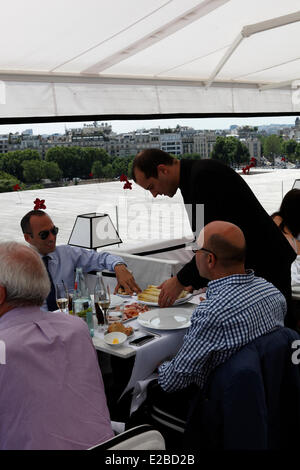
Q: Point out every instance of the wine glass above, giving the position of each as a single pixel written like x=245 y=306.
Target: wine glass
x=102 y=303
x=62 y=297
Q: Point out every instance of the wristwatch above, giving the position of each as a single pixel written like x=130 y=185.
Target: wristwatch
x=119 y=263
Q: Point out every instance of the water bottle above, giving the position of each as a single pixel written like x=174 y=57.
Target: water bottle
x=82 y=302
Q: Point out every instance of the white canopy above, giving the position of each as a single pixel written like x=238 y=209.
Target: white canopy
x=63 y=58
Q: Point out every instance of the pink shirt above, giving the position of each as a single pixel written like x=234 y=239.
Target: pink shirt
x=51 y=389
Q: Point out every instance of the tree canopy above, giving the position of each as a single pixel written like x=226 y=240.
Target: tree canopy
x=230 y=151
x=7 y=182
x=271 y=146
x=77 y=161
x=11 y=162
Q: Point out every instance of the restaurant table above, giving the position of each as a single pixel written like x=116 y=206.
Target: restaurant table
x=150 y=354
x=147 y=357
x=164 y=343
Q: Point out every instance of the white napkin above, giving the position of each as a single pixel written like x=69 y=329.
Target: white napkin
x=140 y=392
x=117 y=427
x=151 y=354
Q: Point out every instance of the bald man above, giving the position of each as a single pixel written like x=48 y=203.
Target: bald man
x=239 y=307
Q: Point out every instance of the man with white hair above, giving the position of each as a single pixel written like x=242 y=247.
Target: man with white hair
x=51 y=389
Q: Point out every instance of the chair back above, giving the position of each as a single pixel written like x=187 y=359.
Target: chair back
x=252 y=400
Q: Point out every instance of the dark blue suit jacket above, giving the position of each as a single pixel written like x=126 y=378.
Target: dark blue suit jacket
x=252 y=401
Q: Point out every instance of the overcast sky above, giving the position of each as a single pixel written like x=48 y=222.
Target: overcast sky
x=127 y=126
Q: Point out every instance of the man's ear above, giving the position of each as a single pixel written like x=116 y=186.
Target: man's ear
x=211 y=260
x=162 y=168
x=27 y=237
x=2 y=294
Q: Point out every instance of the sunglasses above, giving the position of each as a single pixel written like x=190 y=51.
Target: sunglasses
x=45 y=233
x=204 y=249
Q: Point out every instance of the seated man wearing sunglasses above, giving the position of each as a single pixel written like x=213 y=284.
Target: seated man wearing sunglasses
x=61 y=261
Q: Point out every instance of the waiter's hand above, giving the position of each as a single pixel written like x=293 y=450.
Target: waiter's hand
x=170 y=290
x=126 y=280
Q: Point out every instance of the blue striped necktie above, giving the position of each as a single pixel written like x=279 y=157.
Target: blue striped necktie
x=51 y=299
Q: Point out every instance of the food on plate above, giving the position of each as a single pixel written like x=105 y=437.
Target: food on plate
x=117 y=326
x=122 y=291
x=151 y=294
x=115 y=341
x=133 y=310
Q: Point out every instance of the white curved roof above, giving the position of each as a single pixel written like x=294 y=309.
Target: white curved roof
x=136 y=57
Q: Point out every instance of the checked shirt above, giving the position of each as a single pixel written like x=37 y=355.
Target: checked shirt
x=237 y=309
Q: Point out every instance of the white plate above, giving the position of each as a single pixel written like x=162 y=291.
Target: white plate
x=177 y=302
x=109 y=338
x=166 y=318
x=115 y=301
x=126 y=296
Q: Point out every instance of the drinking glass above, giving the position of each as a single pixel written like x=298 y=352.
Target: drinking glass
x=115 y=315
x=102 y=303
x=62 y=297
x=70 y=298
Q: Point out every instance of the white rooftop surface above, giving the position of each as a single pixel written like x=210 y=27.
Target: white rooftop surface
x=138 y=210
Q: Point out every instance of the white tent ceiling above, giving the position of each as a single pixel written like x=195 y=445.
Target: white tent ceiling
x=119 y=58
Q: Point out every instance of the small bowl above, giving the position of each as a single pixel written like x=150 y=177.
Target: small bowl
x=115 y=339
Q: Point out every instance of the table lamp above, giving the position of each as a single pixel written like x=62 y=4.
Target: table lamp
x=94 y=231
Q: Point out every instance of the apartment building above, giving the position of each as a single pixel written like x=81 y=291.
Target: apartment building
x=254 y=147
x=295 y=131
x=4 y=143
x=204 y=142
x=178 y=141
x=171 y=143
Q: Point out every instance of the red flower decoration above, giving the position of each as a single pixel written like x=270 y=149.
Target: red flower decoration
x=127 y=185
x=39 y=204
x=16 y=187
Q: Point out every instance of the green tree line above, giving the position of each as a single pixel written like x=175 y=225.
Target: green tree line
x=25 y=167
x=230 y=151
x=275 y=146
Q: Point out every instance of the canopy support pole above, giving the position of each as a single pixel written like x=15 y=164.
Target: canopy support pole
x=248 y=31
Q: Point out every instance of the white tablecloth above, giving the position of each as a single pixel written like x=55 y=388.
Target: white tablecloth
x=152 y=354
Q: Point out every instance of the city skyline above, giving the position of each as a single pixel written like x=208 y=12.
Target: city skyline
x=124 y=126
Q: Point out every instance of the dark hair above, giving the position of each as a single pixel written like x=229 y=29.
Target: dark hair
x=25 y=222
x=289 y=211
x=226 y=252
x=148 y=160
